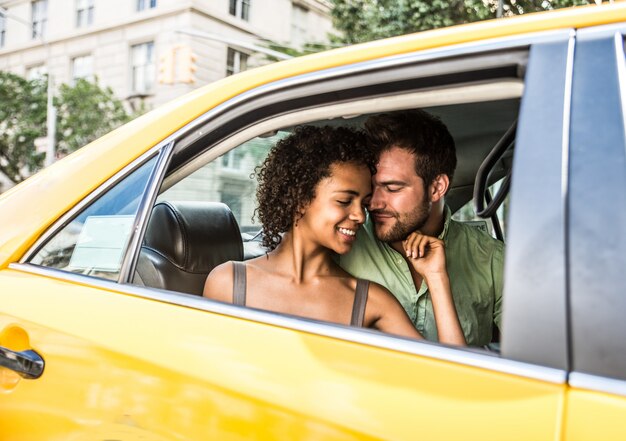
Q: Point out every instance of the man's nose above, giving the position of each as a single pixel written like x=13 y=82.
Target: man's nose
x=376 y=201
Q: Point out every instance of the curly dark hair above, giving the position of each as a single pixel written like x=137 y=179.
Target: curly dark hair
x=420 y=133
x=295 y=165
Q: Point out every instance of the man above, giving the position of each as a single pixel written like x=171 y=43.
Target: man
x=416 y=163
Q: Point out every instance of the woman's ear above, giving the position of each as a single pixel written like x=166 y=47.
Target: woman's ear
x=439 y=187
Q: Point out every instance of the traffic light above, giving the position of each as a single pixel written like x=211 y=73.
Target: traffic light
x=186 y=65
x=166 y=66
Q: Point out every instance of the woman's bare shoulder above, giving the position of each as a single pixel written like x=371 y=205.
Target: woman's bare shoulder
x=379 y=294
x=219 y=283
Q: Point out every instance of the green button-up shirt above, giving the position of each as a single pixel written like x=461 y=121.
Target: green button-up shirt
x=474 y=262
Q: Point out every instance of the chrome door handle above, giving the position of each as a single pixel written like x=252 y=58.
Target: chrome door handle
x=28 y=364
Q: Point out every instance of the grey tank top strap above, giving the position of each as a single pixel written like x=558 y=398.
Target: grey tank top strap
x=360 y=300
x=239 y=283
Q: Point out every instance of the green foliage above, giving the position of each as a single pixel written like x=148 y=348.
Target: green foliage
x=308 y=48
x=85 y=111
x=22 y=119
x=366 y=20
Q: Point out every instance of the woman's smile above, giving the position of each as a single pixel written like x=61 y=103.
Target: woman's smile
x=347 y=234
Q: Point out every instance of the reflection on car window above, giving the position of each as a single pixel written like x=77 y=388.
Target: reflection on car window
x=228 y=179
x=93 y=243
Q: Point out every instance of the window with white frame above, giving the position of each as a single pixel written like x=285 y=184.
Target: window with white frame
x=235 y=61
x=146 y=4
x=2 y=30
x=36 y=72
x=240 y=9
x=39 y=15
x=82 y=67
x=84 y=12
x=299 y=25
x=142 y=67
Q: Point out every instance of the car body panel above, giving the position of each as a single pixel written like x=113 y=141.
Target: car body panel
x=594 y=415
x=93 y=164
x=235 y=384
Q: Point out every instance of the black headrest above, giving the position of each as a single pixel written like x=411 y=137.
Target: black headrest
x=194 y=236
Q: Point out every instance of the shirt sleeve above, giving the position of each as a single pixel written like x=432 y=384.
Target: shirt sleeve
x=497 y=268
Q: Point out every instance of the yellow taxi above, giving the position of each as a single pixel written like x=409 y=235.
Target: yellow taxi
x=104 y=333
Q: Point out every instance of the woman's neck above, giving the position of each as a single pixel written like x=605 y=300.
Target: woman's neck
x=302 y=258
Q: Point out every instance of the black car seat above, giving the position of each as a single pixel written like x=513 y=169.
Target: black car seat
x=184 y=241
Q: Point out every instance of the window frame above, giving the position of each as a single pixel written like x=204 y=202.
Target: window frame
x=3 y=30
x=84 y=13
x=596 y=303
x=240 y=9
x=144 y=5
x=344 y=83
x=88 y=77
x=148 y=68
x=36 y=71
x=238 y=58
x=39 y=18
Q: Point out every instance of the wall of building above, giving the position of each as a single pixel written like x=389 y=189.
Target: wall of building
x=117 y=26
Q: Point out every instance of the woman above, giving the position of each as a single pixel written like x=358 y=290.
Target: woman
x=313 y=189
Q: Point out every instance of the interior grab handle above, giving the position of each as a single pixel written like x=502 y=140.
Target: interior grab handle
x=481 y=183
x=28 y=364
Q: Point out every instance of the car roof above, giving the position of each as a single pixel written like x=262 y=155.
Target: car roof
x=32 y=206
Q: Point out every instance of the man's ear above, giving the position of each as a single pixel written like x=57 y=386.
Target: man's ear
x=439 y=187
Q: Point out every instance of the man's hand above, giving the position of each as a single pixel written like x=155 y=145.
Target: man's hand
x=426 y=254
x=428 y=257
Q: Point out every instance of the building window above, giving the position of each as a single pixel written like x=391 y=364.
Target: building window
x=2 y=30
x=82 y=67
x=40 y=17
x=235 y=62
x=233 y=200
x=142 y=65
x=299 y=25
x=84 y=12
x=146 y=4
x=240 y=9
x=36 y=72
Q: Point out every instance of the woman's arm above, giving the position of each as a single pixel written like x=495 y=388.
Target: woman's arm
x=427 y=256
x=385 y=313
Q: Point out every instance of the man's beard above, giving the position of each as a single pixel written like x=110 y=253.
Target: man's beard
x=405 y=224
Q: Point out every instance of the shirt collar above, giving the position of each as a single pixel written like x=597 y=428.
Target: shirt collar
x=447 y=214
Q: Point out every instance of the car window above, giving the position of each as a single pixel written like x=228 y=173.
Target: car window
x=94 y=242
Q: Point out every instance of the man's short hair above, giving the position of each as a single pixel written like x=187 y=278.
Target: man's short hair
x=420 y=133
